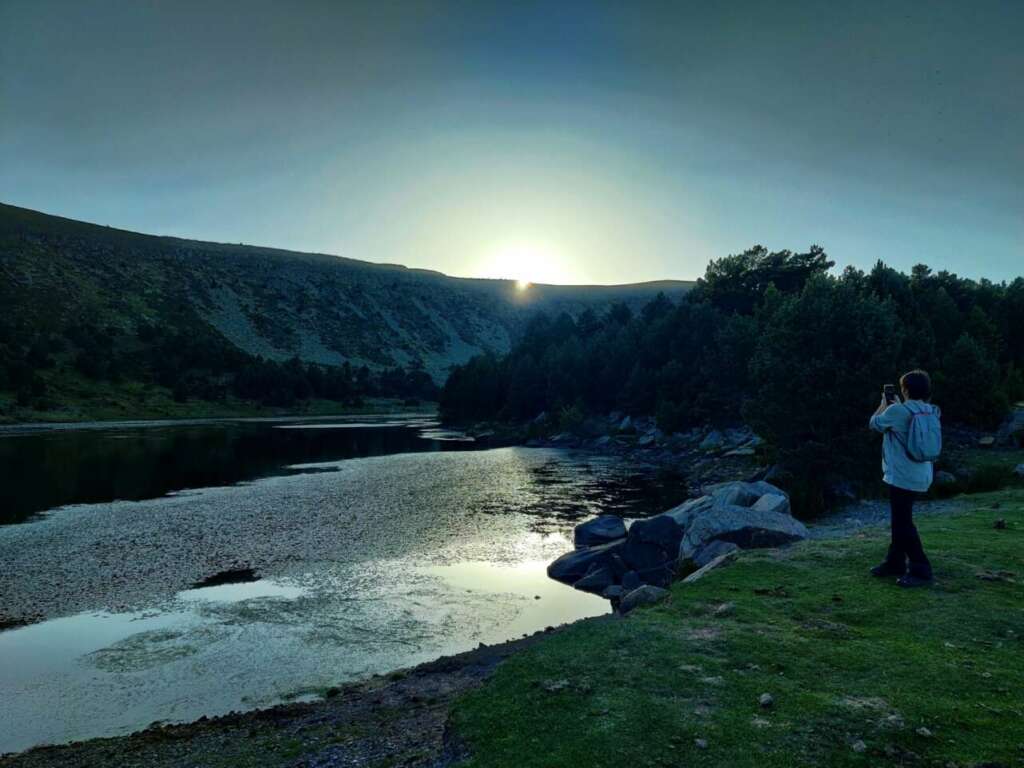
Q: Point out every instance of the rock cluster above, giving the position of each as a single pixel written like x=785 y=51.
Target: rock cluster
x=632 y=566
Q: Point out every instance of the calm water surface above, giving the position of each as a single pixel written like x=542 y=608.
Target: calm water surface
x=378 y=544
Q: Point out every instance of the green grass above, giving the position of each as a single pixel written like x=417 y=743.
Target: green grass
x=846 y=657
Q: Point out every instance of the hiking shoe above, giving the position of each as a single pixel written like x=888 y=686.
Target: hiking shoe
x=910 y=580
x=886 y=569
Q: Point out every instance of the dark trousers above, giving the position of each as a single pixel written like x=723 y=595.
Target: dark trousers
x=906 y=543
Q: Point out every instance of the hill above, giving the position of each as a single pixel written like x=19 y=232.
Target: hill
x=69 y=287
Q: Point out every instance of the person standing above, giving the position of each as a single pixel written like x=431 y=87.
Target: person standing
x=911 y=441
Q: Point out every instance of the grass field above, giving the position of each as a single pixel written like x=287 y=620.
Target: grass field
x=860 y=671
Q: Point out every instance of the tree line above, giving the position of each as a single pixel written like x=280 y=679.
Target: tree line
x=191 y=364
x=772 y=339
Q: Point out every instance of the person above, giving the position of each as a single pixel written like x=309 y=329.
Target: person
x=906 y=479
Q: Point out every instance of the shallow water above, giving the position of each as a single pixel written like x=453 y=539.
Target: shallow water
x=367 y=564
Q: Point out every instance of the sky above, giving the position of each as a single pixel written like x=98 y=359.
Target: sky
x=558 y=142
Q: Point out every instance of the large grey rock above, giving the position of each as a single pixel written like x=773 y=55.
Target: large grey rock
x=713 y=441
x=685 y=513
x=600 y=530
x=1019 y=470
x=736 y=494
x=944 y=479
x=772 y=502
x=597 y=579
x=744 y=526
x=651 y=548
x=573 y=566
x=711 y=551
x=645 y=595
x=743 y=494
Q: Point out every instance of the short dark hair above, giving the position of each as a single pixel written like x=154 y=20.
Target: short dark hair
x=918 y=384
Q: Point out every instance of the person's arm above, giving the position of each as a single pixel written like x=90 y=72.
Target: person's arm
x=882 y=418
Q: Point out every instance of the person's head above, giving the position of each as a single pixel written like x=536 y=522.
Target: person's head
x=916 y=385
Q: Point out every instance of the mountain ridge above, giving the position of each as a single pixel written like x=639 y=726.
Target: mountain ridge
x=272 y=302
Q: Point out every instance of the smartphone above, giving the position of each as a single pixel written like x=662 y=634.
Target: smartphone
x=890 y=393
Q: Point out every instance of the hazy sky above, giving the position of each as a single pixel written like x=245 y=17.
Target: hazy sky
x=568 y=142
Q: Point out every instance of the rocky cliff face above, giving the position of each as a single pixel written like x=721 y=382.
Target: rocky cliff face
x=56 y=272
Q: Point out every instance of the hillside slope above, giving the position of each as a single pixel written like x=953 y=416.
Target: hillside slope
x=56 y=274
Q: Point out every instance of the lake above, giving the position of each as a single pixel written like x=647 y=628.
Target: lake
x=376 y=544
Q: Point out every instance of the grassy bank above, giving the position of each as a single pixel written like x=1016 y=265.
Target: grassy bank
x=860 y=671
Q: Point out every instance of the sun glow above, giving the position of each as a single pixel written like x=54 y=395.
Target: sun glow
x=527 y=264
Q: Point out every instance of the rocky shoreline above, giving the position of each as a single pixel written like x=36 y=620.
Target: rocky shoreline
x=634 y=565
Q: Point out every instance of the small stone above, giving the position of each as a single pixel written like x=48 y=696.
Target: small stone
x=701 y=743
x=766 y=700
x=859 y=746
x=1000 y=524
x=645 y=595
x=924 y=732
x=725 y=609
x=554 y=686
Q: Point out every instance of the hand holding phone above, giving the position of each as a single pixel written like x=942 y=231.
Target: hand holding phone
x=889 y=392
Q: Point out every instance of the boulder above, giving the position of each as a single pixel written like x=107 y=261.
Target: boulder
x=614 y=592
x=600 y=530
x=762 y=487
x=744 y=526
x=1019 y=470
x=651 y=548
x=743 y=494
x=712 y=551
x=713 y=441
x=573 y=566
x=772 y=502
x=944 y=479
x=597 y=579
x=631 y=581
x=689 y=509
x=626 y=425
x=645 y=595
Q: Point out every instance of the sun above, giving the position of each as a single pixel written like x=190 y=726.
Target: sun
x=527 y=264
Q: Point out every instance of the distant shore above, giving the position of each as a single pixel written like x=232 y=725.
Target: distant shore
x=161 y=408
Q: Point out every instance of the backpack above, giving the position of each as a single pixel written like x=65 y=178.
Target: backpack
x=924 y=435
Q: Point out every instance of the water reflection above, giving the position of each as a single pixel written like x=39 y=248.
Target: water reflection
x=43 y=469
x=238 y=646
